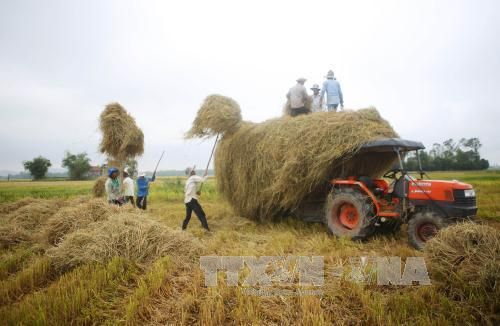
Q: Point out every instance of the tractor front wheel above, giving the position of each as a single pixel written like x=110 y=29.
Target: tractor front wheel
x=347 y=215
x=422 y=227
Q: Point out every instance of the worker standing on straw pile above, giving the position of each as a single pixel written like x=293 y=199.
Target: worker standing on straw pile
x=112 y=187
x=316 y=105
x=143 y=189
x=128 y=187
x=191 y=199
x=297 y=96
x=333 y=92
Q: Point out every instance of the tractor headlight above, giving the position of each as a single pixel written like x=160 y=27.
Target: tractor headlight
x=469 y=193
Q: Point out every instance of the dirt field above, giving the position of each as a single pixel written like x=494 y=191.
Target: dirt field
x=171 y=290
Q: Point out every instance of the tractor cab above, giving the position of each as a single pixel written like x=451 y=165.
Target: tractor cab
x=359 y=205
x=398 y=174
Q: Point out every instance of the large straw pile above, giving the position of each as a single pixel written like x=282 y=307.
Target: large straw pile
x=129 y=235
x=266 y=169
x=121 y=138
x=465 y=259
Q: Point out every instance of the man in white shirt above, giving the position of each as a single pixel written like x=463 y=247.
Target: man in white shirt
x=191 y=194
x=128 y=187
x=316 y=105
x=297 y=96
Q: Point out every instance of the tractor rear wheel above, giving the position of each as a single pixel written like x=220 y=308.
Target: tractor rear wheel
x=422 y=227
x=347 y=214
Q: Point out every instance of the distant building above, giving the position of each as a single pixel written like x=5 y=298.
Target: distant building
x=95 y=171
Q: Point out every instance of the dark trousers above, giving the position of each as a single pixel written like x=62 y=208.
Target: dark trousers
x=115 y=202
x=130 y=199
x=195 y=206
x=298 y=111
x=142 y=202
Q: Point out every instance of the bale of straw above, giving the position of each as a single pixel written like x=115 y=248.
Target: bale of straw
x=72 y=218
x=465 y=260
x=267 y=169
x=130 y=235
x=218 y=114
x=121 y=138
x=134 y=143
x=98 y=190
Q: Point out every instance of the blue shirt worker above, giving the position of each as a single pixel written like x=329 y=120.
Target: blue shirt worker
x=143 y=190
x=333 y=93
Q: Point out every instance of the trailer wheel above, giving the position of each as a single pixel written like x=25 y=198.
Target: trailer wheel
x=422 y=227
x=347 y=214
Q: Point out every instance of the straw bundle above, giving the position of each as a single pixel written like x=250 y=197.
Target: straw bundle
x=10 y=207
x=121 y=138
x=99 y=187
x=72 y=218
x=30 y=216
x=129 y=235
x=267 y=169
x=465 y=259
x=25 y=216
x=218 y=114
x=11 y=235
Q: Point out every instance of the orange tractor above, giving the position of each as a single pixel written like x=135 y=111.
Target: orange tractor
x=358 y=206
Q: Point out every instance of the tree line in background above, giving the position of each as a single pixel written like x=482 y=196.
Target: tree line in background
x=78 y=166
x=450 y=155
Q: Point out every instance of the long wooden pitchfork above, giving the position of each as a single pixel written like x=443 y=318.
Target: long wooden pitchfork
x=210 y=159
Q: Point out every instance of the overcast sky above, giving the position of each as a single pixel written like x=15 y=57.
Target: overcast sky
x=432 y=68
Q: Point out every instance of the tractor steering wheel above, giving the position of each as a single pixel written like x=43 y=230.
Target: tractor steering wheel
x=391 y=174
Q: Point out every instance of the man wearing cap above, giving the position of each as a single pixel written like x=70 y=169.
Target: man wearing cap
x=143 y=189
x=191 y=200
x=112 y=187
x=128 y=187
x=297 y=96
x=316 y=105
x=333 y=93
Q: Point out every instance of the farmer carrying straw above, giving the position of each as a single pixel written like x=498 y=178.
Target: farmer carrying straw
x=128 y=187
x=333 y=93
x=191 y=199
x=112 y=187
x=143 y=189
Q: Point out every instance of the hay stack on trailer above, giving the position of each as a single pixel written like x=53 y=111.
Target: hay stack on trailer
x=271 y=168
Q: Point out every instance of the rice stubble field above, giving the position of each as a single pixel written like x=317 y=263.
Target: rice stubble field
x=159 y=281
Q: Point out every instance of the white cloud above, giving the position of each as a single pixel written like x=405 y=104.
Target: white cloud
x=430 y=67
